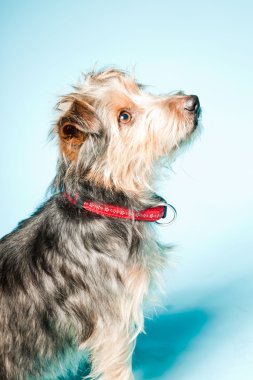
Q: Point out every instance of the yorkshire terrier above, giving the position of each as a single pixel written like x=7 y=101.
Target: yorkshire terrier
x=75 y=274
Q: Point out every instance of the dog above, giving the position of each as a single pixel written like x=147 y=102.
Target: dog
x=75 y=274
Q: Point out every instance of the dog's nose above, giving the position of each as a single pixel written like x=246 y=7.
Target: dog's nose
x=192 y=103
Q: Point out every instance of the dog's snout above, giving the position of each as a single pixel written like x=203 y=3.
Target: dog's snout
x=192 y=103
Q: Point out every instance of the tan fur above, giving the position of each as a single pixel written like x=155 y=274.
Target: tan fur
x=157 y=128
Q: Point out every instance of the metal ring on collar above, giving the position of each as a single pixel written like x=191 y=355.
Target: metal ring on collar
x=174 y=216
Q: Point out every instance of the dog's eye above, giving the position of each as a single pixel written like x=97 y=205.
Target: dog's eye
x=124 y=117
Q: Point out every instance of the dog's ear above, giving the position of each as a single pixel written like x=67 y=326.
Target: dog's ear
x=75 y=126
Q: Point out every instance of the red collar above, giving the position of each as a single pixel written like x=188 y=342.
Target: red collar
x=151 y=214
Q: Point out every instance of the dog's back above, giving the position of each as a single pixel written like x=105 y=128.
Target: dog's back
x=61 y=286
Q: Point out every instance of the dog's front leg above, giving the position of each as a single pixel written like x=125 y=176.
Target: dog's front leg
x=111 y=355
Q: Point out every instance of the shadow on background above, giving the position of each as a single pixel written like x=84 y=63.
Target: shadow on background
x=167 y=338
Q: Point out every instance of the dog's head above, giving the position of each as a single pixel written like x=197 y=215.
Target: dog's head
x=111 y=131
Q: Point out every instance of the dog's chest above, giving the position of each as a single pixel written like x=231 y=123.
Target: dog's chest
x=139 y=274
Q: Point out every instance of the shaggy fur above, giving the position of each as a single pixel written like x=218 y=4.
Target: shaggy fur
x=71 y=279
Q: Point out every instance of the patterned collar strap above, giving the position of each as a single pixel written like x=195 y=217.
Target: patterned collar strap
x=111 y=211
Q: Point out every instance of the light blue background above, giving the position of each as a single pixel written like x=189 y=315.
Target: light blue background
x=201 y=47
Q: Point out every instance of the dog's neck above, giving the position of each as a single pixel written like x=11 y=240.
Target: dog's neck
x=87 y=190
